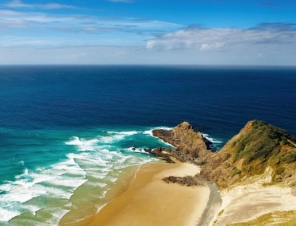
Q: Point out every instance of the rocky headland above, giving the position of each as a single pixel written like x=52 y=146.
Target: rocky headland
x=255 y=171
x=190 y=146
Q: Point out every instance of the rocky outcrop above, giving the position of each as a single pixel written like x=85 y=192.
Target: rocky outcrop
x=190 y=145
x=196 y=180
x=256 y=148
x=162 y=153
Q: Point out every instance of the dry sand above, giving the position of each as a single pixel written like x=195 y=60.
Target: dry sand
x=246 y=202
x=151 y=201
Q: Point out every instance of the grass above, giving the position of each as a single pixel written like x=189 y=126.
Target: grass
x=235 y=172
x=287 y=218
x=260 y=147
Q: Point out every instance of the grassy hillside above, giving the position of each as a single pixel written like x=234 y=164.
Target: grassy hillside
x=257 y=147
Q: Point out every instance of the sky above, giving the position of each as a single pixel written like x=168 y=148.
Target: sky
x=183 y=32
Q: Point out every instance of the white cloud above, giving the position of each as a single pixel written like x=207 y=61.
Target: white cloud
x=219 y=39
x=11 y=41
x=267 y=44
x=76 y=29
x=20 y=4
x=10 y=20
x=10 y=13
x=71 y=23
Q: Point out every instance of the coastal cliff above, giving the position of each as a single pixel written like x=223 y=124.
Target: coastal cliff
x=255 y=171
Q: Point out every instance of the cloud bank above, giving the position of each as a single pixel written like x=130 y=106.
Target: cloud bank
x=220 y=39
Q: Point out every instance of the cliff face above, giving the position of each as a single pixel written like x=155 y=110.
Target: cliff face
x=190 y=145
x=257 y=147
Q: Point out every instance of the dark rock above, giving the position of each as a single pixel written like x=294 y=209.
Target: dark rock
x=147 y=150
x=162 y=153
x=186 y=181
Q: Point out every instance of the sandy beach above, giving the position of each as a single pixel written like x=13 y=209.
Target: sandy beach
x=151 y=201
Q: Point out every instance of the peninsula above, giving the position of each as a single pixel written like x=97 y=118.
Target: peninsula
x=250 y=181
x=255 y=172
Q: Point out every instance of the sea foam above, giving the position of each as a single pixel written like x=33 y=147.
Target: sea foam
x=82 y=144
x=92 y=161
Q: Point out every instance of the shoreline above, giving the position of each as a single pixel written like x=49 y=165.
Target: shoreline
x=164 y=194
x=150 y=201
x=84 y=215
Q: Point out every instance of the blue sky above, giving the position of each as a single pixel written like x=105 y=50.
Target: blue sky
x=200 y=32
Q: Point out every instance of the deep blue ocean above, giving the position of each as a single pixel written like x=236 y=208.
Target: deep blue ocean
x=68 y=129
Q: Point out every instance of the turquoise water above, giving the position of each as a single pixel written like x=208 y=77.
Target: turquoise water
x=67 y=132
x=52 y=164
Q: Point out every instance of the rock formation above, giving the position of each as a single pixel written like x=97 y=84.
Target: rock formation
x=258 y=146
x=196 y=180
x=190 y=145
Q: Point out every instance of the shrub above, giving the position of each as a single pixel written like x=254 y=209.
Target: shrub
x=289 y=158
x=235 y=171
x=227 y=155
x=280 y=170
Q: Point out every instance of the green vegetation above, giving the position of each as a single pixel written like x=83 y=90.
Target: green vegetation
x=286 y=218
x=235 y=172
x=260 y=143
x=289 y=157
x=221 y=212
x=258 y=146
x=280 y=170
x=227 y=156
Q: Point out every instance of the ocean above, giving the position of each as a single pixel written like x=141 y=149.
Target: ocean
x=68 y=132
